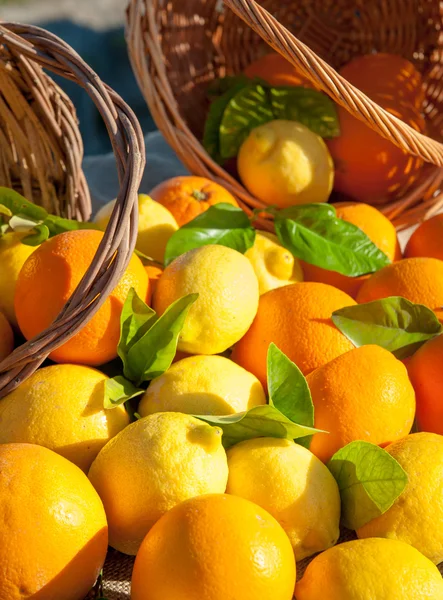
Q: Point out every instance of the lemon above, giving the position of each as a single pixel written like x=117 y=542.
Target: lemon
x=227 y=302
x=285 y=163
x=152 y=465
x=155 y=226
x=203 y=385
x=13 y=255
x=416 y=517
x=293 y=485
x=61 y=407
x=273 y=264
x=372 y=569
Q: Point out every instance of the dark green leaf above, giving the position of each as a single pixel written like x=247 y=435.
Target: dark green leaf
x=40 y=235
x=221 y=224
x=310 y=213
x=18 y=205
x=369 y=479
x=119 y=390
x=395 y=324
x=289 y=391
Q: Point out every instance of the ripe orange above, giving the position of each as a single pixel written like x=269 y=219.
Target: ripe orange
x=277 y=71
x=48 y=279
x=426 y=373
x=364 y=394
x=53 y=528
x=188 y=196
x=377 y=227
x=154 y=274
x=215 y=547
x=6 y=337
x=297 y=318
x=419 y=280
x=426 y=239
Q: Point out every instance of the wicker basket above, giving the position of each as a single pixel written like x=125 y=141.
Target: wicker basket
x=177 y=48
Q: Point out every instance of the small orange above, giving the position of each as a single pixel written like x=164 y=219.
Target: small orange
x=277 y=71
x=6 y=337
x=364 y=394
x=427 y=239
x=419 y=280
x=48 y=279
x=377 y=227
x=215 y=547
x=188 y=196
x=297 y=318
x=154 y=274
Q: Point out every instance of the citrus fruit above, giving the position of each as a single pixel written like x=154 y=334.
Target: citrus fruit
x=426 y=374
x=53 y=527
x=227 y=302
x=416 y=517
x=273 y=264
x=215 y=547
x=13 y=255
x=284 y=163
x=6 y=337
x=61 y=407
x=293 y=486
x=364 y=394
x=154 y=273
x=276 y=71
x=419 y=280
x=162 y=459
x=155 y=225
x=48 y=279
x=203 y=385
x=377 y=227
x=372 y=569
x=426 y=239
x=188 y=196
x=297 y=318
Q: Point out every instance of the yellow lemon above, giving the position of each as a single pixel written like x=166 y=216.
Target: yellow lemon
x=273 y=264
x=13 y=255
x=61 y=407
x=372 y=569
x=203 y=385
x=153 y=465
x=227 y=302
x=155 y=225
x=293 y=485
x=416 y=517
x=285 y=163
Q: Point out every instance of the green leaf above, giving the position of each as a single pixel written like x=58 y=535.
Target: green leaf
x=119 y=390
x=394 y=323
x=4 y=210
x=224 y=84
x=18 y=205
x=329 y=243
x=221 y=224
x=369 y=479
x=152 y=354
x=260 y=421
x=58 y=225
x=40 y=235
x=289 y=391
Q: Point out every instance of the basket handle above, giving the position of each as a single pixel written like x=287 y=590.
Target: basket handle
x=327 y=79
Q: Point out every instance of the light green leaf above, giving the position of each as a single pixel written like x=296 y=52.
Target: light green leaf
x=119 y=390
x=58 y=225
x=40 y=235
x=4 y=210
x=369 y=479
x=18 y=205
x=394 y=323
x=221 y=224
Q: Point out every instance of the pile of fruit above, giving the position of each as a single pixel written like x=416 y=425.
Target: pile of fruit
x=243 y=400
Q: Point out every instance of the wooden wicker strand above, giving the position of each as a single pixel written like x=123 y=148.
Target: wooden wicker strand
x=118 y=243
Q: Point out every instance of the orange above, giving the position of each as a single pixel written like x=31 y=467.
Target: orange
x=215 y=547
x=6 y=337
x=154 y=274
x=297 y=318
x=419 y=280
x=48 y=279
x=377 y=227
x=426 y=374
x=277 y=71
x=188 y=196
x=364 y=394
x=368 y=167
x=53 y=528
x=427 y=239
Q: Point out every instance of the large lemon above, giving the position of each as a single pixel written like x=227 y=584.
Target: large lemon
x=203 y=385
x=293 y=485
x=227 y=302
x=285 y=163
x=152 y=465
